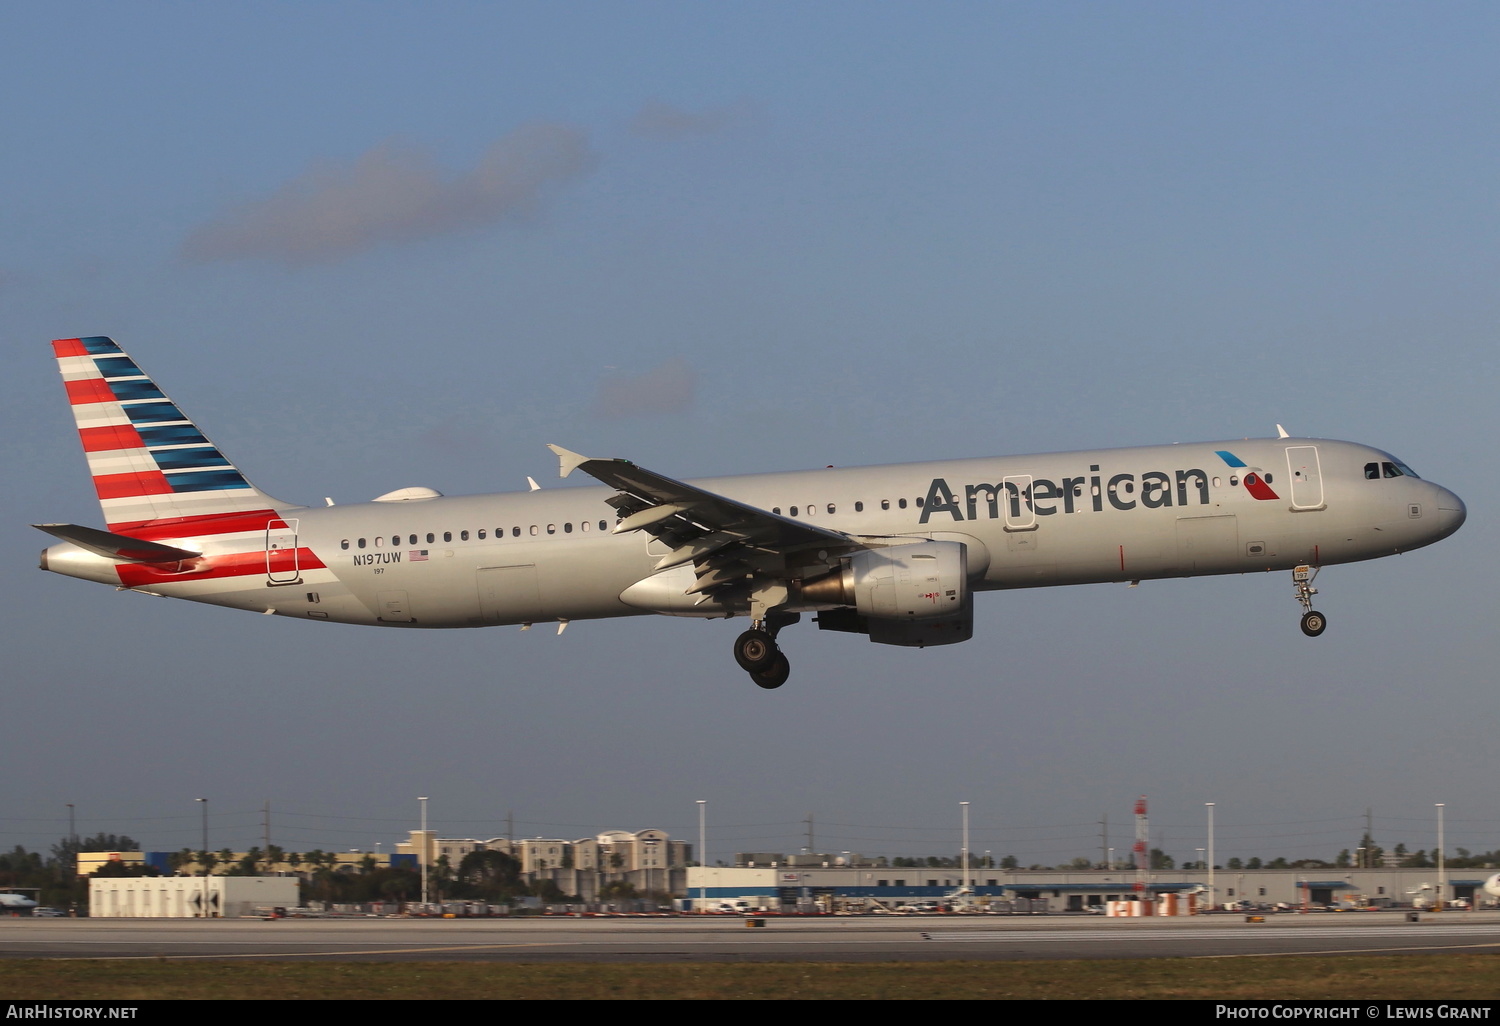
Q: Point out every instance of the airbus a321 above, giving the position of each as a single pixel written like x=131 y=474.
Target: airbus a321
x=895 y=553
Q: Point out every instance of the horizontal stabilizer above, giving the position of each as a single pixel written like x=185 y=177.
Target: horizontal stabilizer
x=116 y=546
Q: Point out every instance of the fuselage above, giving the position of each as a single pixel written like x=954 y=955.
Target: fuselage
x=1096 y=516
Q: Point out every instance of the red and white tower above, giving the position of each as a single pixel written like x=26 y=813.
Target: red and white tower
x=1142 y=852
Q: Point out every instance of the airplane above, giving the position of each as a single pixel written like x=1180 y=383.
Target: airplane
x=895 y=553
x=14 y=904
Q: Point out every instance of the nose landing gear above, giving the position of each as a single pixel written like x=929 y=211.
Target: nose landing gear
x=1313 y=622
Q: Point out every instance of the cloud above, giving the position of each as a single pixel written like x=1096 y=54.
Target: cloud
x=658 y=120
x=394 y=194
x=669 y=388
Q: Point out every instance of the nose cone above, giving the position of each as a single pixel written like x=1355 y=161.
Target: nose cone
x=1451 y=511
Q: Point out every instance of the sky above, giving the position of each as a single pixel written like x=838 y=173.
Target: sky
x=368 y=246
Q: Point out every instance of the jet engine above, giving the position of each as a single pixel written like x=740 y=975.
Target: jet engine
x=908 y=595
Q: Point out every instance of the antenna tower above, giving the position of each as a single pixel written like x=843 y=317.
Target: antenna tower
x=1142 y=863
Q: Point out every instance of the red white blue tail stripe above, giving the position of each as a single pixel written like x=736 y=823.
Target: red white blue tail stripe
x=150 y=463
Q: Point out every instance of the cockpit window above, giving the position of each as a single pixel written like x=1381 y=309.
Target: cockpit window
x=1394 y=469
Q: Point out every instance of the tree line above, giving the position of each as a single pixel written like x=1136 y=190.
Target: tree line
x=488 y=876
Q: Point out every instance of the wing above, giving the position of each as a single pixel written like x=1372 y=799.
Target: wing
x=729 y=542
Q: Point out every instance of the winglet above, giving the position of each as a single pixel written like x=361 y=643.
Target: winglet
x=570 y=461
x=1281 y=432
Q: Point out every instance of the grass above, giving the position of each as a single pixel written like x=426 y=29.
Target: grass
x=1365 y=978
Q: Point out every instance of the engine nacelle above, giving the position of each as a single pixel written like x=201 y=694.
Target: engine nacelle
x=908 y=595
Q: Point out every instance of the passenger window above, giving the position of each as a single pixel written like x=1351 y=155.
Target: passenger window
x=413 y=539
x=463 y=535
x=1268 y=479
x=811 y=509
x=885 y=503
x=567 y=528
x=534 y=531
x=1234 y=480
x=379 y=542
x=481 y=534
x=792 y=511
x=830 y=507
x=919 y=504
x=601 y=526
x=776 y=510
x=447 y=536
x=901 y=503
x=431 y=537
x=515 y=532
x=344 y=544
x=361 y=543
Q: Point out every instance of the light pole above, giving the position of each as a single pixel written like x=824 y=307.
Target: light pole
x=1442 y=858
x=72 y=839
x=967 y=883
x=203 y=854
x=424 y=851
x=1213 y=894
x=702 y=855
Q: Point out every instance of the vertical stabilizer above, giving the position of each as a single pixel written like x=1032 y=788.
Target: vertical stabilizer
x=149 y=462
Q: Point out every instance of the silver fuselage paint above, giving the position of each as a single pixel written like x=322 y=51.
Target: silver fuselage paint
x=1029 y=521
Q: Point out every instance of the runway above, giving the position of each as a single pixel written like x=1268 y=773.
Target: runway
x=728 y=939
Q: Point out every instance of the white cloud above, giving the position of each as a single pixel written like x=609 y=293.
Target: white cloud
x=669 y=388
x=394 y=194
x=659 y=120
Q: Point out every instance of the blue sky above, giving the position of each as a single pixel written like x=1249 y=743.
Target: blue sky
x=375 y=245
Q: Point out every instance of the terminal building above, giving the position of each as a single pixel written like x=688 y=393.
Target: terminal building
x=802 y=884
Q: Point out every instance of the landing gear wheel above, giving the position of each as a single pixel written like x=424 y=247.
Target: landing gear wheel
x=755 y=650
x=775 y=673
x=1313 y=623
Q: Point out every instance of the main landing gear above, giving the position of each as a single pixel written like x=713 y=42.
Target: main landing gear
x=1313 y=622
x=758 y=655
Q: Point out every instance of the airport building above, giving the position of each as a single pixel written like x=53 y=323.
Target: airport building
x=801 y=884
x=189 y=897
x=171 y=862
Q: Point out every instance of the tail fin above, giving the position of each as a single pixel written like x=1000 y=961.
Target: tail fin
x=149 y=462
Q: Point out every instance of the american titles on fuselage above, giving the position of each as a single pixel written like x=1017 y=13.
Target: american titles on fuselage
x=1039 y=495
